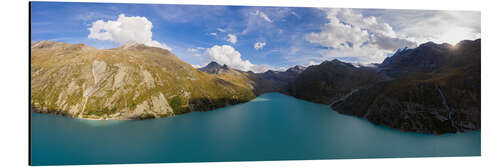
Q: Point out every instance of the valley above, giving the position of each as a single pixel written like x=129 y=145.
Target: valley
x=433 y=88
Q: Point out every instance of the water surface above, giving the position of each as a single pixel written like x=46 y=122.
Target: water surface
x=270 y=127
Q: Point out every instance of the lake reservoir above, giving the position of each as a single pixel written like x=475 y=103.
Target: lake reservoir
x=270 y=127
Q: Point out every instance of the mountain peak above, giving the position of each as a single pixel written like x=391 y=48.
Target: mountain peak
x=44 y=44
x=269 y=71
x=431 y=44
x=215 y=68
x=213 y=64
x=297 y=68
x=130 y=44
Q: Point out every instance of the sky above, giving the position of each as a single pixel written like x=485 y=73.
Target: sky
x=252 y=38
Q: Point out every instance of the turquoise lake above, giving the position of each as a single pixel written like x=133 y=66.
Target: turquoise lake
x=270 y=127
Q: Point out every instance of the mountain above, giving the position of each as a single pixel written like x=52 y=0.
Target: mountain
x=132 y=81
x=425 y=58
x=276 y=81
x=331 y=80
x=433 y=88
x=215 y=68
x=296 y=69
x=269 y=81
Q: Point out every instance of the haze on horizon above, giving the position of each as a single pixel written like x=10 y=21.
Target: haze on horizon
x=252 y=38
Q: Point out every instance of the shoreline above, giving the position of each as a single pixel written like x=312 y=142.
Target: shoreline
x=364 y=119
x=64 y=114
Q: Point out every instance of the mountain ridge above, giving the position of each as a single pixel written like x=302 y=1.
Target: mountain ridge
x=432 y=88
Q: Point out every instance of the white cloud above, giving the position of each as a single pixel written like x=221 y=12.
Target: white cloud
x=440 y=26
x=259 y=19
x=351 y=35
x=311 y=63
x=195 y=49
x=226 y=54
x=232 y=38
x=293 y=50
x=367 y=55
x=213 y=34
x=92 y=16
x=259 y=45
x=221 y=30
x=197 y=55
x=262 y=15
x=125 y=29
x=199 y=66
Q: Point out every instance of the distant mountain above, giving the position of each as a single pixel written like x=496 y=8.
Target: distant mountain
x=132 y=81
x=296 y=69
x=434 y=88
x=215 y=68
x=331 y=80
x=269 y=81
x=276 y=81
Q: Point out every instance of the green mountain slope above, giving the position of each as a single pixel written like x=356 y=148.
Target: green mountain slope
x=130 y=82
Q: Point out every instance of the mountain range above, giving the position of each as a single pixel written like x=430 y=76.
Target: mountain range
x=433 y=88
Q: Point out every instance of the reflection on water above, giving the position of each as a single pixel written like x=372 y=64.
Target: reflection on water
x=259 y=99
x=99 y=123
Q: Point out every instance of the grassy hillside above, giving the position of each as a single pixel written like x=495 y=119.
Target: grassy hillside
x=133 y=82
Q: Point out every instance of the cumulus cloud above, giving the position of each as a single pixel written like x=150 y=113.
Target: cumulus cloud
x=358 y=38
x=226 y=54
x=262 y=15
x=259 y=45
x=438 y=26
x=125 y=29
x=232 y=38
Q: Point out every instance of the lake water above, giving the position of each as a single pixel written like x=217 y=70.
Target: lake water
x=270 y=127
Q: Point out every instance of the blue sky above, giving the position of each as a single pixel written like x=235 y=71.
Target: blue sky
x=252 y=38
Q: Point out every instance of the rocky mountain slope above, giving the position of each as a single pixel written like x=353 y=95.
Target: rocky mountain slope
x=433 y=88
x=133 y=81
